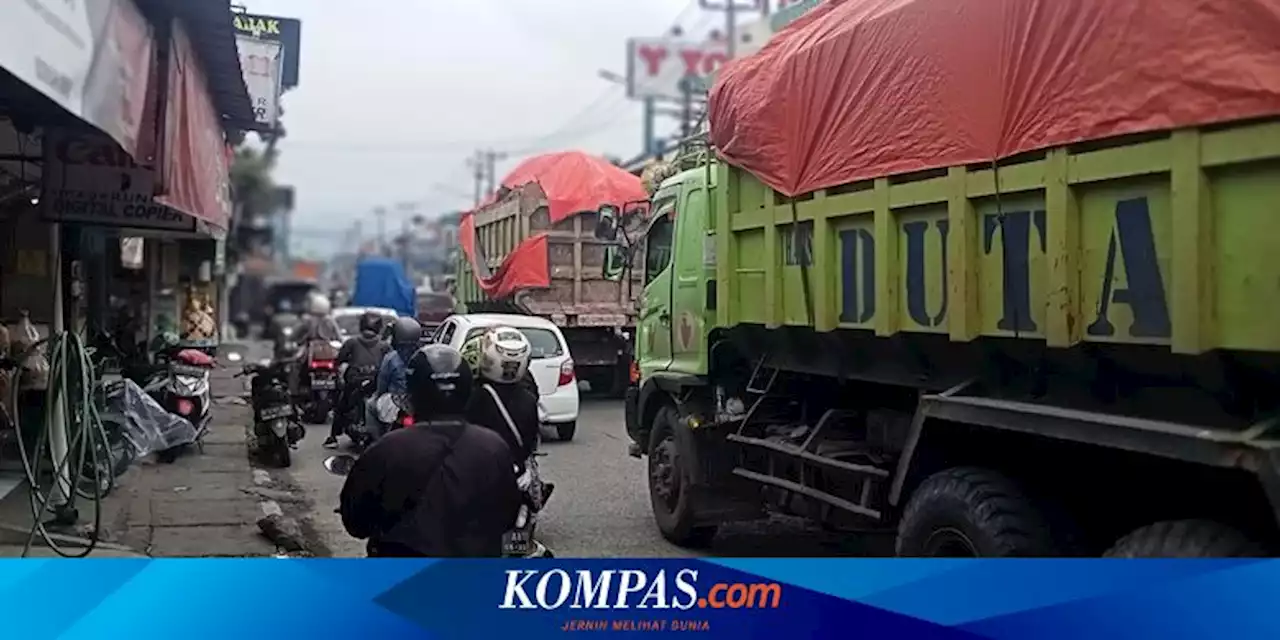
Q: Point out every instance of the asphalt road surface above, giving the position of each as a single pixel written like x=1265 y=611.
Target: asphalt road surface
x=600 y=508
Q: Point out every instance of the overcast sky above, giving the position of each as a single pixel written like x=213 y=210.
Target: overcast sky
x=395 y=95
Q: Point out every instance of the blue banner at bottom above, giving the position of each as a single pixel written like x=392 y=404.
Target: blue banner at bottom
x=809 y=598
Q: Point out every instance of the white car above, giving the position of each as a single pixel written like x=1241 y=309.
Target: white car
x=550 y=363
x=348 y=318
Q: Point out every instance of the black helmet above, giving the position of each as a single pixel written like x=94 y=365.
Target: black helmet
x=406 y=331
x=371 y=323
x=439 y=383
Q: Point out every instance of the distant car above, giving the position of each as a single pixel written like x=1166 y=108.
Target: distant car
x=285 y=298
x=348 y=318
x=550 y=363
x=433 y=308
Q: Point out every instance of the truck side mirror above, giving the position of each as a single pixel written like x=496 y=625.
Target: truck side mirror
x=615 y=263
x=607 y=223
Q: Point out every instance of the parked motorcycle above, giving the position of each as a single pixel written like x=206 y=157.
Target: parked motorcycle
x=276 y=429
x=180 y=383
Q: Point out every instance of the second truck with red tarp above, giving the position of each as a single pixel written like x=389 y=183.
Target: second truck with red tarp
x=530 y=249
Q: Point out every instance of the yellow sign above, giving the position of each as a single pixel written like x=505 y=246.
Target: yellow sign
x=257 y=26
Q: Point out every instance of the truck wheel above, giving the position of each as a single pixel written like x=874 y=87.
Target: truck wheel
x=1186 y=539
x=668 y=486
x=972 y=512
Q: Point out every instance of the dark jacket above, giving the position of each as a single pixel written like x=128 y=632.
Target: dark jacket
x=521 y=404
x=362 y=356
x=440 y=489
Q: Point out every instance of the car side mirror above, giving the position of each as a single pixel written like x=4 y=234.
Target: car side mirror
x=607 y=223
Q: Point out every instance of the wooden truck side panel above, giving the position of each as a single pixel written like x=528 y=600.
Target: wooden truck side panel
x=1171 y=240
x=578 y=295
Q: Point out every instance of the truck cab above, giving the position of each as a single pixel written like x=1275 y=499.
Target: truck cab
x=675 y=254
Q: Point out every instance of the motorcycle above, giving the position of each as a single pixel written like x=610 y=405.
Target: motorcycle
x=520 y=541
x=319 y=380
x=360 y=433
x=180 y=383
x=276 y=428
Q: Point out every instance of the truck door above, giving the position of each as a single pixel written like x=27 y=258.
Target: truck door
x=688 y=298
x=653 y=339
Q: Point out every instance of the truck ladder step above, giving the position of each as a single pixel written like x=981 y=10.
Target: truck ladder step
x=810 y=492
x=808 y=456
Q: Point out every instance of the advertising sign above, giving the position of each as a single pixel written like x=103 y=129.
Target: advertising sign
x=663 y=67
x=89 y=180
x=261 y=62
x=91 y=58
x=286 y=31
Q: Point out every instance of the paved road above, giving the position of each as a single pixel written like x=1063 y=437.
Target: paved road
x=600 y=507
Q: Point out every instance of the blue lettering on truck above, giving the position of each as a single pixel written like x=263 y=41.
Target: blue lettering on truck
x=1131 y=274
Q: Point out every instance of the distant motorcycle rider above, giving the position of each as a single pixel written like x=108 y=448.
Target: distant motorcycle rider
x=390 y=392
x=440 y=488
x=319 y=324
x=362 y=355
x=504 y=401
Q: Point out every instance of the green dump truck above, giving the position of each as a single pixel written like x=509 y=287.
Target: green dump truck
x=1102 y=378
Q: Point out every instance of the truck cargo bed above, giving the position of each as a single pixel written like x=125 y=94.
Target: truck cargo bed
x=1167 y=240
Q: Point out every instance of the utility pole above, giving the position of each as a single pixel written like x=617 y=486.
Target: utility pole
x=478 y=171
x=731 y=9
x=491 y=159
x=381 y=213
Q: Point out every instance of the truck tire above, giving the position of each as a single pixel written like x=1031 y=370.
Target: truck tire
x=668 y=483
x=1186 y=539
x=972 y=512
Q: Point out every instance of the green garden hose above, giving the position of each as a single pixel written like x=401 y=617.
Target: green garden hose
x=71 y=377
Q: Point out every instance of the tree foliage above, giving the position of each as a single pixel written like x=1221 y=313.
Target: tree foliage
x=251 y=183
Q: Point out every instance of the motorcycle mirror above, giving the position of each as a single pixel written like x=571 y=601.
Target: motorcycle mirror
x=339 y=465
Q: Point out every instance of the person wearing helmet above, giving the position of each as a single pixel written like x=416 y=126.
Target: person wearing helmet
x=504 y=401
x=362 y=355
x=406 y=336
x=319 y=323
x=441 y=488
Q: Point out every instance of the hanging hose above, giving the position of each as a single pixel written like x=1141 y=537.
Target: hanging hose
x=72 y=380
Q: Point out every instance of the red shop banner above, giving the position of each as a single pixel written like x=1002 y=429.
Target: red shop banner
x=196 y=165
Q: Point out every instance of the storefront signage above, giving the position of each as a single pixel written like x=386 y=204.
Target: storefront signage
x=89 y=180
x=91 y=58
x=260 y=62
x=666 y=68
x=287 y=32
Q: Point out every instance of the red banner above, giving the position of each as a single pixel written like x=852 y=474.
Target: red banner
x=527 y=267
x=195 y=166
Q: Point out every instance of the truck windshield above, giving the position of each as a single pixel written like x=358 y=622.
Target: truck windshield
x=657 y=254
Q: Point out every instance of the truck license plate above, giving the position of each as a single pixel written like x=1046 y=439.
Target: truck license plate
x=322 y=382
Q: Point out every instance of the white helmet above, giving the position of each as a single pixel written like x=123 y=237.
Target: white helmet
x=504 y=355
x=318 y=304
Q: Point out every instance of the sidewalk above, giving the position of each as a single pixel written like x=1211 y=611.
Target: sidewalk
x=203 y=505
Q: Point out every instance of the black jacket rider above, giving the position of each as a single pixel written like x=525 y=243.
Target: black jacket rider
x=441 y=488
x=521 y=404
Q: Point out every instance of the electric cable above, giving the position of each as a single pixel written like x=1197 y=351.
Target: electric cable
x=71 y=380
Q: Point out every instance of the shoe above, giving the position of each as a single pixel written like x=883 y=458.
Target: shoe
x=330 y=443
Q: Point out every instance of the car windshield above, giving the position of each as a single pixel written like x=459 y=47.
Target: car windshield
x=349 y=323
x=542 y=342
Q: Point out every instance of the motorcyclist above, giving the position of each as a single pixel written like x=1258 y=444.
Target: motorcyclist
x=361 y=355
x=440 y=488
x=319 y=324
x=406 y=336
x=504 y=401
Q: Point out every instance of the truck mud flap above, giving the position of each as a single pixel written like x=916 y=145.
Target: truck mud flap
x=631 y=413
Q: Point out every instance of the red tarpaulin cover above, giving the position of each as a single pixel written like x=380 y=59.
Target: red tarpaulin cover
x=863 y=88
x=573 y=182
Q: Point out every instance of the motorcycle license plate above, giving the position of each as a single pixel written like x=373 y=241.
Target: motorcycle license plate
x=322 y=382
x=274 y=413
x=188 y=370
x=516 y=543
